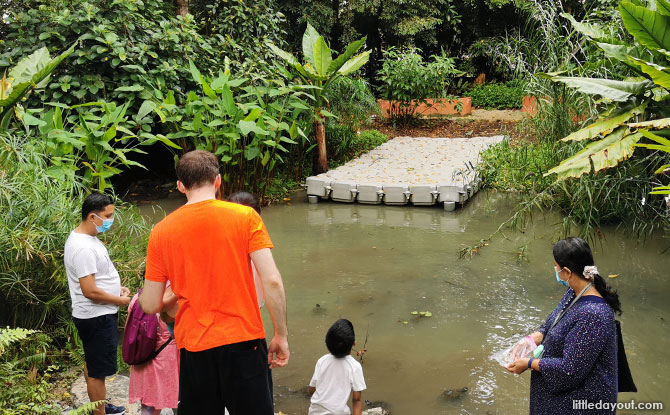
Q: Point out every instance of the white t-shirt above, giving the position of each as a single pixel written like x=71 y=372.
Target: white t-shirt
x=86 y=255
x=334 y=379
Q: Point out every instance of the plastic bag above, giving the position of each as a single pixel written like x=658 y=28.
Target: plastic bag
x=522 y=349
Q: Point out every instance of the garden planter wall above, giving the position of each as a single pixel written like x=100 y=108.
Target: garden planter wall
x=530 y=106
x=439 y=106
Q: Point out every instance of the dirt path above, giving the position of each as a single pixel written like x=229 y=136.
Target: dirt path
x=481 y=123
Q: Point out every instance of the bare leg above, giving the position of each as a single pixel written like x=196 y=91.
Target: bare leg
x=149 y=410
x=96 y=391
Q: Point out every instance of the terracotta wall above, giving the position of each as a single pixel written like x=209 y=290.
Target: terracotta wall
x=440 y=106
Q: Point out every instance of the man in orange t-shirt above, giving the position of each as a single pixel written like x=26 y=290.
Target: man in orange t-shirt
x=205 y=249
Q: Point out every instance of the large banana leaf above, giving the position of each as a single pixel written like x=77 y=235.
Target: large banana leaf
x=354 y=64
x=605 y=126
x=309 y=39
x=650 y=28
x=18 y=90
x=659 y=74
x=598 y=155
x=653 y=124
x=587 y=29
x=663 y=7
x=322 y=57
x=348 y=53
x=663 y=145
x=288 y=57
x=615 y=90
x=662 y=190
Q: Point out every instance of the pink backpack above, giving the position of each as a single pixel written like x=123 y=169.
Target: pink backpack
x=141 y=336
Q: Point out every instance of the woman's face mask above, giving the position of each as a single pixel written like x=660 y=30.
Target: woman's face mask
x=106 y=224
x=558 y=277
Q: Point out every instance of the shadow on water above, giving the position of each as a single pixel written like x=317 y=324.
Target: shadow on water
x=375 y=265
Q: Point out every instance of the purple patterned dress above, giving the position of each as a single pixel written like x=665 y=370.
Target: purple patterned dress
x=580 y=359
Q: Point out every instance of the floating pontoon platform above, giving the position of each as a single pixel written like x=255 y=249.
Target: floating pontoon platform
x=407 y=170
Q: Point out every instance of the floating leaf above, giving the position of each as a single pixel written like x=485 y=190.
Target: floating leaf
x=613 y=276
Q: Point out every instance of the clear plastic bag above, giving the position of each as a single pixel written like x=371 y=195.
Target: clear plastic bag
x=522 y=349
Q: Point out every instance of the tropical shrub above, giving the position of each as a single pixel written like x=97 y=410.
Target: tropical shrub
x=498 y=95
x=27 y=373
x=407 y=80
x=319 y=71
x=636 y=106
x=369 y=139
x=345 y=144
x=351 y=101
x=249 y=127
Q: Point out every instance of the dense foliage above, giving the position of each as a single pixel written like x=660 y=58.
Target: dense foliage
x=505 y=95
x=121 y=46
x=635 y=107
x=596 y=196
x=249 y=127
x=407 y=80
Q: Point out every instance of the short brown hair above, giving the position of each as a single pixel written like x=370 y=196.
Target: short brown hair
x=197 y=168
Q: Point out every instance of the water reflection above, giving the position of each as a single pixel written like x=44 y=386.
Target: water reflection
x=376 y=264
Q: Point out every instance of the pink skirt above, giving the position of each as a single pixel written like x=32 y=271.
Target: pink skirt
x=156 y=383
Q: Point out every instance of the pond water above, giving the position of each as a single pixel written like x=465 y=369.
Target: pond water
x=374 y=265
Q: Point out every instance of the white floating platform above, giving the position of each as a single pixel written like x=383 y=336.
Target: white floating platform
x=418 y=170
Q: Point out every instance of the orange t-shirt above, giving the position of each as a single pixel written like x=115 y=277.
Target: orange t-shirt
x=203 y=250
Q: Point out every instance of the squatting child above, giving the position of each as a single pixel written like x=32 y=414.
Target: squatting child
x=337 y=374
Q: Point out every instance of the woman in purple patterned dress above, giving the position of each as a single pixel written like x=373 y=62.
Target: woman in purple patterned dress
x=579 y=364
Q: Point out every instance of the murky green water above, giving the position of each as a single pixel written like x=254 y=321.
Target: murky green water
x=376 y=264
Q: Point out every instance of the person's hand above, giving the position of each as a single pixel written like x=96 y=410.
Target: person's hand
x=124 y=300
x=125 y=292
x=517 y=349
x=519 y=366
x=278 y=352
x=537 y=337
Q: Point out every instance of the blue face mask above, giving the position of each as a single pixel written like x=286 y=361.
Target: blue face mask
x=559 y=280
x=106 y=224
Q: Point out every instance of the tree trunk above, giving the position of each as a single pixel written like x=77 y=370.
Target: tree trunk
x=182 y=7
x=320 y=133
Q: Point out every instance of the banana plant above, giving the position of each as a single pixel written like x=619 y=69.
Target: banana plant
x=250 y=128
x=92 y=139
x=319 y=70
x=32 y=72
x=640 y=104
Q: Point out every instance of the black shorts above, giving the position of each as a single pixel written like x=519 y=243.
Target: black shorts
x=235 y=376
x=99 y=335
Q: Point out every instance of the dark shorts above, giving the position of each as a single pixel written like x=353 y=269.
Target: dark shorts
x=99 y=335
x=234 y=376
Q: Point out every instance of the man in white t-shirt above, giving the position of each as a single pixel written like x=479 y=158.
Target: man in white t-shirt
x=337 y=374
x=96 y=293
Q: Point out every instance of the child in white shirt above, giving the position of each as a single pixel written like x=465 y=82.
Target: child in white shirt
x=337 y=374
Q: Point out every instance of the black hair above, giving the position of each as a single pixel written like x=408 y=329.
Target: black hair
x=95 y=203
x=340 y=338
x=246 y=199
x=575 y=254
